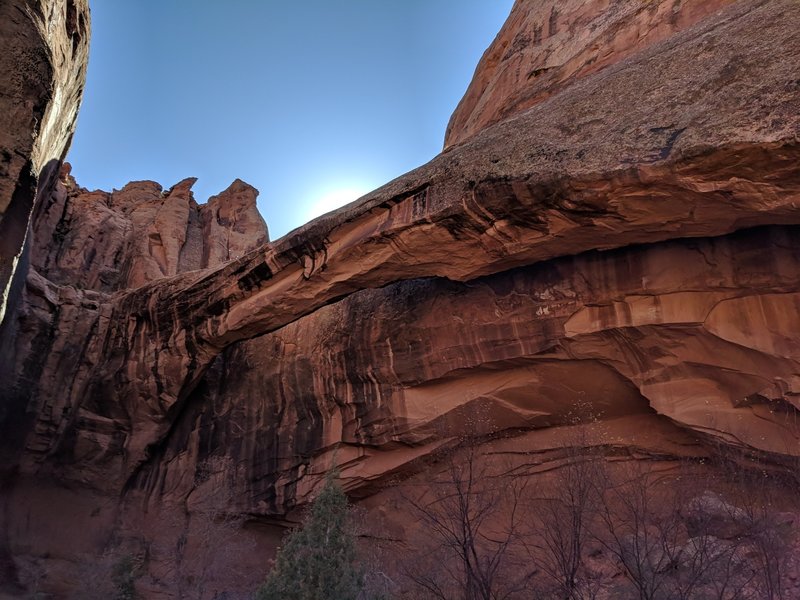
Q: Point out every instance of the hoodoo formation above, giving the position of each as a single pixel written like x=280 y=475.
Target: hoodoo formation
x=612 y=232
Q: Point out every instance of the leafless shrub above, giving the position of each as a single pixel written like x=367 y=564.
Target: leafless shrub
x=472 y=546
x=564 y=521
x=637 y=534
x=107 y=576
x=677 y=535
x=763 y=531
x=678 y=540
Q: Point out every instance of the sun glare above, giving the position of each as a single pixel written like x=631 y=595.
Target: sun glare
x=332 y=200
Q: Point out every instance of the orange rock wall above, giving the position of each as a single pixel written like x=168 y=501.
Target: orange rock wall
x=621 y=243
x=546 y=46
x=141 y=233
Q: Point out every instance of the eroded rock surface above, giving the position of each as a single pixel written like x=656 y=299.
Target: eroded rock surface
x=638 y=153
x=395 y=373
x=44 y=48
x=95 y=247
x=625 y=248
x=547 y=45
x=141 y=233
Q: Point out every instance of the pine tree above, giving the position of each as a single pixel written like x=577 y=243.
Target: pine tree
x=318 y=561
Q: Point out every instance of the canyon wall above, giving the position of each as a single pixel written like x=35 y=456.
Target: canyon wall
x=140 y=233
x=546 y=46
x=44 y=49
x=613 y=241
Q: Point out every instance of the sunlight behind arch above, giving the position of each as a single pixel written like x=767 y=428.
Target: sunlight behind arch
x=333 y=199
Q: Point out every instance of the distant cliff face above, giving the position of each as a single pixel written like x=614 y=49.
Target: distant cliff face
x=108 y=242
x=617 y=244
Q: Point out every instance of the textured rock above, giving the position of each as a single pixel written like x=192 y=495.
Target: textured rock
x=678 y=163
x=229 y=223
x=92 y=245
x=627 y=247
x=141 y=233
x=633 y=154
x=44 y=47
x=547 y=45
x=395 y=373
x=625 y=332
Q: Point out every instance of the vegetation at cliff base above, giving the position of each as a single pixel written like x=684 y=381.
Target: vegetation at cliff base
x=318 y=561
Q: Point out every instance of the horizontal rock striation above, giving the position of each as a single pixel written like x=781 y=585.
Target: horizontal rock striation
x=640 y=152
x=393 y=374
x=620 y=244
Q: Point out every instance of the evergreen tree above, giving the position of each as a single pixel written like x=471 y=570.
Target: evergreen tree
x=318 y=561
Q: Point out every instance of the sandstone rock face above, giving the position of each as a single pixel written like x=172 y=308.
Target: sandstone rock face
x=44 y=47
x=625 y=248
x=230 y=221
x=395 y=373
x=547 y=45
x=93 y=246
x=588 y=169
x=141 y=233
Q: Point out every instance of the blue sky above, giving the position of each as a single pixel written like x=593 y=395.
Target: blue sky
x=314 y=102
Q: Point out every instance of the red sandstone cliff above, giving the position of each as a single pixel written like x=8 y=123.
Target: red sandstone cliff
x=546 y=46
x=622 y=241
x=141 y=233
x=44 y=48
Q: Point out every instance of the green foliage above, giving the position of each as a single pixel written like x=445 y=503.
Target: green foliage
x=318 y=561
